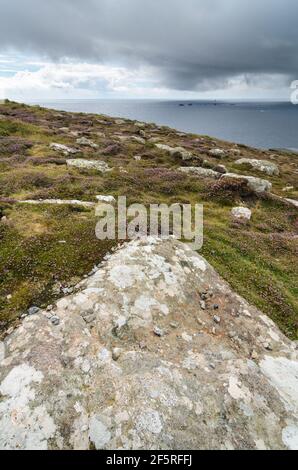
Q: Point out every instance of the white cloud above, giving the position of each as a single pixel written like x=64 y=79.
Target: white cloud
x=76 y=80
x=29 y=78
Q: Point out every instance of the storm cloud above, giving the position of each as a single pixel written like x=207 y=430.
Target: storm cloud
x=191 y=44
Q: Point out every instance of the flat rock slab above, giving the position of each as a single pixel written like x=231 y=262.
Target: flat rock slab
x=200 y=172
x=218 y=375
x=72 y=202
x=63 y=149
x=89 y=165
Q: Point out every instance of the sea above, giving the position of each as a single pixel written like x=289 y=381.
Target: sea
x=268 y=125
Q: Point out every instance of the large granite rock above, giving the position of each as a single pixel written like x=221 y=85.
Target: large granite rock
x=63 y=149
x=83 y=141
x=264 y=166
x=257 y=185
x=97 y=165
x=153 y=351
x=177 y=152
x=200 y=172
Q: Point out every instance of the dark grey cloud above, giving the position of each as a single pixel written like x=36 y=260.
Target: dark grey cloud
x=194 y=44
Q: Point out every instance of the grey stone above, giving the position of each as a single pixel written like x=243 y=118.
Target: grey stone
x=241 y=213
x=61 y=389
x=55 y=320
x=63 y=149
x=116 y=353
x=98 y=165
x=33 y=310
x=220 y=169
x=261 y=165
x=106 y=199
x=178 y=152
x=158 y=331
x=86 y=143
x=89 y=318
x=218 y=153
x=200 y=172
x=257 y=185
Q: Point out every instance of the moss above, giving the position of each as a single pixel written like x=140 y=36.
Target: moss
x=32 y=264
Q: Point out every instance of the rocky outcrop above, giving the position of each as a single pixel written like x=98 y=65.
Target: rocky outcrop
x=153 y=351
x=218 y=153
x=257 y=185
x=264 y=166
x=201 y=172
x=98 y=165
x=86 y=143
x=63 y=149
x=178 y=152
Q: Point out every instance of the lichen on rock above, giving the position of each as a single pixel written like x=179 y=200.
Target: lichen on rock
x=112 y=383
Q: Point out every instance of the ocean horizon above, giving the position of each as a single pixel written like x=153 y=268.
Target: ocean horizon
x=257 y=124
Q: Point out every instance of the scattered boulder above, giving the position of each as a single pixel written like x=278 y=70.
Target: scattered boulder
x=100 y=134
x=177 y=152
x=112 y=149
x=217 y=153
x=107 y=199
x=220 y=169
x=201 y=172
x=142 y=133
x=235 y=151
x=257 y=185
x=261 y=165
x=139 y=140
x=63 y=149
x=154 y=140
x=65 y=385
x=242 y=213
x=122 y=137
x=86 y=143
x=101 y=166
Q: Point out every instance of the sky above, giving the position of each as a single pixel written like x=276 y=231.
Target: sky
x=172 y=49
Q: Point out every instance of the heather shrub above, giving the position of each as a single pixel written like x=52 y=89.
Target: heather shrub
x=14 y=145
x=46 y=161
x=12 y=183
x=229 y=190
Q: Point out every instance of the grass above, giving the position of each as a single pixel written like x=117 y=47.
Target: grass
x=44 y=248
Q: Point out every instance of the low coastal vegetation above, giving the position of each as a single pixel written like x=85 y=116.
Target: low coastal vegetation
x=45 y=249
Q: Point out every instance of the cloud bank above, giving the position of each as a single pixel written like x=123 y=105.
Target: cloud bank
x=191 y=45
